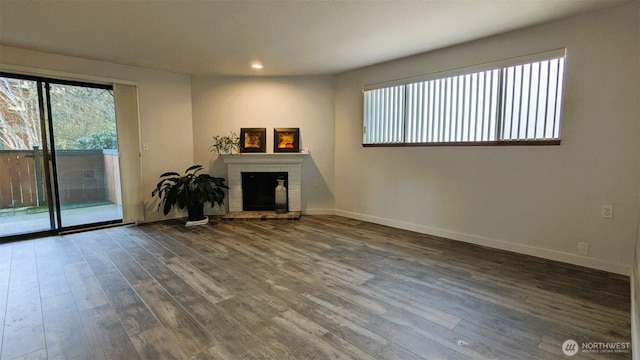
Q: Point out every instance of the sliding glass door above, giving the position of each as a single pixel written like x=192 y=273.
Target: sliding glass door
x=24 y=204
x=59 y=163
x=83 y=132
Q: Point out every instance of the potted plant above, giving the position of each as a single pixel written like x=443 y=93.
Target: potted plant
x=228 y=144
x=190 y=190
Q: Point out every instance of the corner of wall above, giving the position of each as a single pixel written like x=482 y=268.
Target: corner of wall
x=635 y=299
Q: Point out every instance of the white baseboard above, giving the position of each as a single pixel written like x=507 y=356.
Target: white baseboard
x=318 y=212
x=495 y=243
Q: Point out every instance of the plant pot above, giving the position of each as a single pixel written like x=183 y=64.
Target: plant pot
x=199 y=222
x=195 y=212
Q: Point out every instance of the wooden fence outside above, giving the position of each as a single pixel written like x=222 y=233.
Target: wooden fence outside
x=83 y=176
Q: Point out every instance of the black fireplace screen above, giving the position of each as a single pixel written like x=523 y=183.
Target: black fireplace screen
x=258 y=190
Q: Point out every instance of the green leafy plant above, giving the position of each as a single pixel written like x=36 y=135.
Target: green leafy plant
x=226 y=144
x=103 y=140
x=191 y=190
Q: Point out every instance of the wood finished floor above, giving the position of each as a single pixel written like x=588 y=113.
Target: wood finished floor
x=318 y=288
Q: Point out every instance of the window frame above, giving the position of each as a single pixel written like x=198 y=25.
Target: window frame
x=500 y=65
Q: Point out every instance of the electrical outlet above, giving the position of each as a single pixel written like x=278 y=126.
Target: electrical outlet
x=583 y=249
x=145 y=147
x=607 y=211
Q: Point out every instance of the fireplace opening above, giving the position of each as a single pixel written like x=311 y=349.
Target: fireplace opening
x=259 y=190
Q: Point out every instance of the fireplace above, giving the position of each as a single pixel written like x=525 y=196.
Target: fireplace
x=258 y=190
x=289 y=163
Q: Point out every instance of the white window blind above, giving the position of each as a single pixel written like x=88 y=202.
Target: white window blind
x=532 y=96
x=384 y=115
x=453 y=109
x=519 y=100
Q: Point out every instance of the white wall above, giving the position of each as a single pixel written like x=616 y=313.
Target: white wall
x=164 y=105
x=223 y=104
x=540 y=200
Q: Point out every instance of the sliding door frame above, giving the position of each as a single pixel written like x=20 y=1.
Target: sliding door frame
x=49 y=156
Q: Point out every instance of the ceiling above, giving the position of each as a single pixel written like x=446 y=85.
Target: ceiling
x=287 y=37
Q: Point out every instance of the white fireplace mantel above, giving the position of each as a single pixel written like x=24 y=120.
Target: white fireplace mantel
x=291 y=163
x=264 y=158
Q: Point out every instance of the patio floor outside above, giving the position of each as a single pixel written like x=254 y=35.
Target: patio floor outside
x=21 y=221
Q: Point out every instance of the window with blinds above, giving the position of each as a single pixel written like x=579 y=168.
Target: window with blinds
x=512 y=102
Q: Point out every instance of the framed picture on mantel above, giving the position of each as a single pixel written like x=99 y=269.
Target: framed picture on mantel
x=253 y=140
x=286 y=140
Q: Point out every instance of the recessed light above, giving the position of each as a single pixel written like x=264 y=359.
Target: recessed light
x=256 y=66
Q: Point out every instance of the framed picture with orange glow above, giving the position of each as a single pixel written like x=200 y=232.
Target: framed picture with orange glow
x=286 y=140
x=253 y=140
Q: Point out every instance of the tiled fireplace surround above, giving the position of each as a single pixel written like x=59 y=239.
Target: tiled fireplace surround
x=290 y=163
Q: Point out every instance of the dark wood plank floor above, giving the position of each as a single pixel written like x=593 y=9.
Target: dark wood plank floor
x=318 y=288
